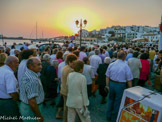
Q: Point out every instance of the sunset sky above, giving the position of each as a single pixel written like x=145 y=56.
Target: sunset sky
x=57 y=17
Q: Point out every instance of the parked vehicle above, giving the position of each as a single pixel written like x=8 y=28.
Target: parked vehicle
x=41 y=47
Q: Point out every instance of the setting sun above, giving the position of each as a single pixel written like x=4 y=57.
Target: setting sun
x=57 y=17
x=65 y=19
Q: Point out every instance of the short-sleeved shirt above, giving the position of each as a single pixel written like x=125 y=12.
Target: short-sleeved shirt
x=31 y=87
x=135 y=65
x=119 y=71
x=88 y=73
x=8 y=82
x=95 y=60
x=82 y=55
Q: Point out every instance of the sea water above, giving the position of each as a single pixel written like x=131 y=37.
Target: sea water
x=11 y=41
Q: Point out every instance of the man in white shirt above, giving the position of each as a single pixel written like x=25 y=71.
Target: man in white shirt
x=117 y=74
x=9 y=89
x=135 y=66
x=95 y=60
x=89 y=74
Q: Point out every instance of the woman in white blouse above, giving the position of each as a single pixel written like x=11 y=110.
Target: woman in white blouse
x=77 y=98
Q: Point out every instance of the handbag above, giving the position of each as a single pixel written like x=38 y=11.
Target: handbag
x=85 y=112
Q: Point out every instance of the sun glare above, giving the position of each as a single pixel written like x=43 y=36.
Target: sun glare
x=65 y=19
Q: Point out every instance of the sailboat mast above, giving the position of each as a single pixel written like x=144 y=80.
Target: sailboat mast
x=2 y=40
x=36 y=30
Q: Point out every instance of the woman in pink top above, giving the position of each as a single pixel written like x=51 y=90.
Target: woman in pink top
x=144 y=74
x=59 y=58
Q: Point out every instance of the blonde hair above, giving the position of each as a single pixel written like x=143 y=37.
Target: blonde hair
x=3 y=57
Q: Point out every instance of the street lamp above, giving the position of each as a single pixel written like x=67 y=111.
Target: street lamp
x=80 y=25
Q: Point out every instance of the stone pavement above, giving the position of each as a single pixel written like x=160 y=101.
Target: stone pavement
x=97 y=111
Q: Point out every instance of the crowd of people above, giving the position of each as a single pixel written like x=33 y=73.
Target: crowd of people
x=30 y=79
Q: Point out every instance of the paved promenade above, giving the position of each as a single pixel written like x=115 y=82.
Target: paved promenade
x=97 y=111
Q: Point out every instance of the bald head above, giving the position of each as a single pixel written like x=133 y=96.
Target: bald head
x=121 y=55
x=34 y=64
x=10 y=59
x=12 y=62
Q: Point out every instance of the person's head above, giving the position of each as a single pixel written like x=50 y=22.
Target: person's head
x=47 y=49
x=55 y=63
x=97 y=52
x=59 y=55
x=86 y=60
x=75 y=48
x=8 y=49
x=82 y=48
x=13 y=47
x=157 y=61
x=114 y=54
x=121 y=55
x=2 y=49
x=130 y=50
x=144 y=56
x=70 y=60
x=70 y=49
x=34 y=64
x=3 y=57
x=76 y=52
x=54 y=51
x=26 y=54
x=12 y=62
x=22 y=49
x=65 y=55
x=35 y=52
x=107 y=60
x=17 y=53
x=135 y=54
x=78 y=66
x=101 y=50
x=46 y=57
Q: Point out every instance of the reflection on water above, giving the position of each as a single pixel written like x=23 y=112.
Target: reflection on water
x=11 y=41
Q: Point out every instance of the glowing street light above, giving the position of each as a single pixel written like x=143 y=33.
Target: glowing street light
x=80 y=25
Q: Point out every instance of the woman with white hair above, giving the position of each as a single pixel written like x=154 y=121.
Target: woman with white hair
x=101 y=80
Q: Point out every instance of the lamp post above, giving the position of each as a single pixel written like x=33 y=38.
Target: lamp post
x=80 y=26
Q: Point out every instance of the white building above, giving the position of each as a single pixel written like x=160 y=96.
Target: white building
x=103 y=31
x=151 y=37
x=94 y=32
x=85 y=33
